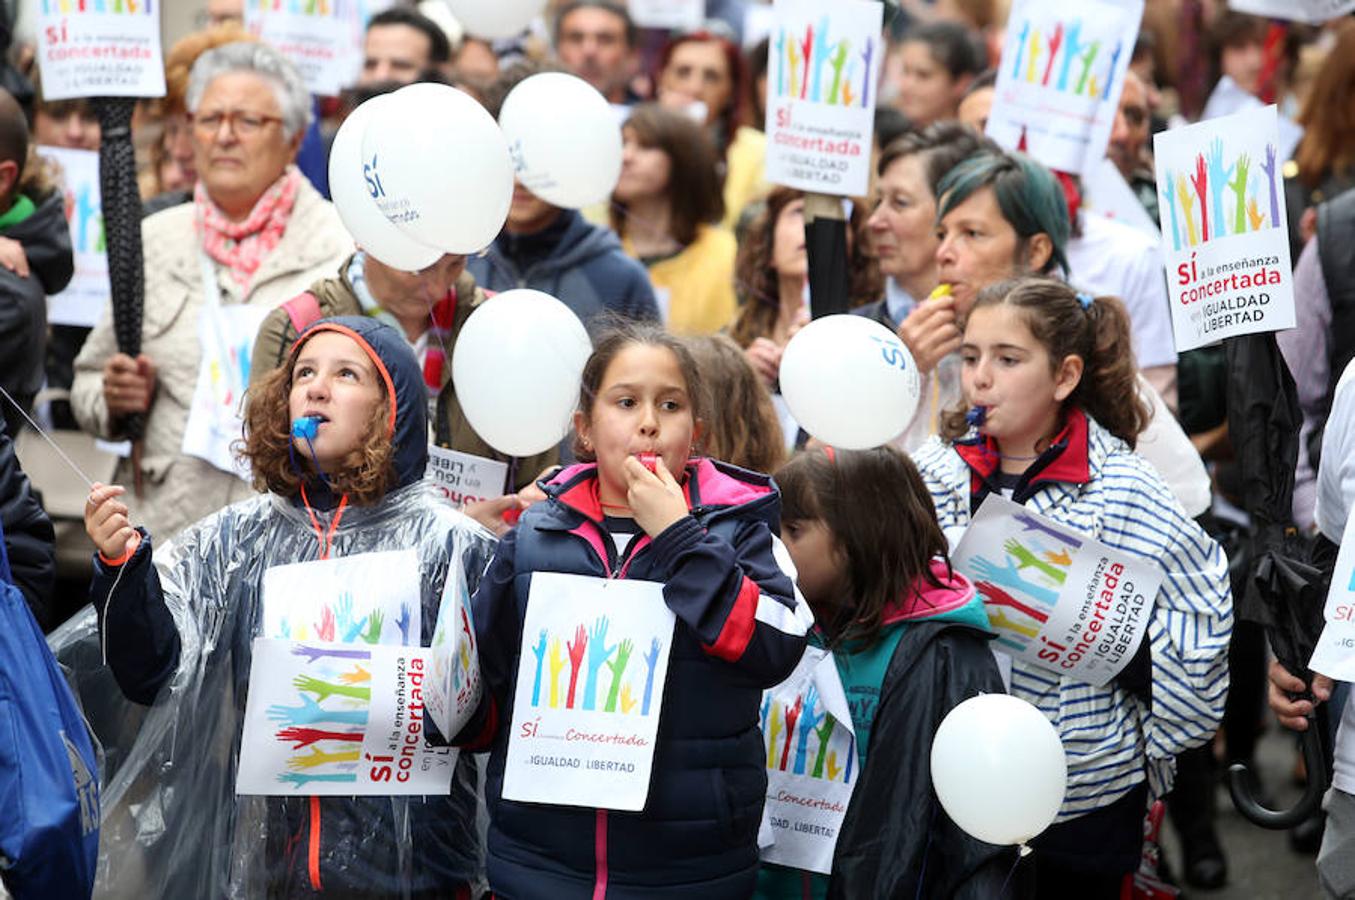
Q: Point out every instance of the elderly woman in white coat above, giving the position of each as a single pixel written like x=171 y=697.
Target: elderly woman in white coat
x=255 y=235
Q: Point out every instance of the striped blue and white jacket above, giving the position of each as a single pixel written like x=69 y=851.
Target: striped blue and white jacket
x=1091 y=481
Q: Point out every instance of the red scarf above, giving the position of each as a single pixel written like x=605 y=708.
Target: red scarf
x=242 y=246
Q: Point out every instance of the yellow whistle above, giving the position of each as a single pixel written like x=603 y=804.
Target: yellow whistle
x=941 y=290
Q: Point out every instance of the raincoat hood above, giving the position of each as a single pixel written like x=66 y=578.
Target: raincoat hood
x=400 y=371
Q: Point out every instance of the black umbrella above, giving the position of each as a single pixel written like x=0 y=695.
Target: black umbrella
x=1285 y=592
x=122 y=228
x=826 y=246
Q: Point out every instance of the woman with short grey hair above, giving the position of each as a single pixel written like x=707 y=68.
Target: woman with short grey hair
x=254 y=235
x=293 y=99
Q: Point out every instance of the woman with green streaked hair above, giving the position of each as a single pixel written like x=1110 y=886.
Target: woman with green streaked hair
x=998 y=215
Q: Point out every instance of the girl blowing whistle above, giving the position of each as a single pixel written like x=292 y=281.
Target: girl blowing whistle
x=1049 y=376
x=705 y=531
x=177 y=632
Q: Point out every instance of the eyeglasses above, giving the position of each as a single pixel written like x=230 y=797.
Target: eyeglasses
x=243 y=124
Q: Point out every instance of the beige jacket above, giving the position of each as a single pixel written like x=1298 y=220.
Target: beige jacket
x=179 y=489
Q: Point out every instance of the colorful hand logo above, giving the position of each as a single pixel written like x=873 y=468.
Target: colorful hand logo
x=576 y=649
x=617 y=667
x=539 y=650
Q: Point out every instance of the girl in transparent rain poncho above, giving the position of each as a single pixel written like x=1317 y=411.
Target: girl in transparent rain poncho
x=177 y=632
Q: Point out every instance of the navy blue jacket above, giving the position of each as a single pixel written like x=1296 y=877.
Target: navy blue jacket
x=579 y=264
x=740 y=628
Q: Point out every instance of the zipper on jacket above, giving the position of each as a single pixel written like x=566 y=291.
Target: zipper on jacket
x=313 y=848
x=600 y=856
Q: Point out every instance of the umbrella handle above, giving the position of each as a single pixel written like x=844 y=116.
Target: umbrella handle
x=1240 y=788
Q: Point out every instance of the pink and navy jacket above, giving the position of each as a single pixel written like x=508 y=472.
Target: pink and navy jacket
x=741 y=627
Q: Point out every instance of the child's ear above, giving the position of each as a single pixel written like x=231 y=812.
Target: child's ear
x=581 y=426
x=698 y=432
x=1068 y=377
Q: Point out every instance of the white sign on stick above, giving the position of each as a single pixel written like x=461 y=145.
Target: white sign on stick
x=100 y=48
x=1059 y=79
x=462 y=478
x=1225 y=232
x=823 y=66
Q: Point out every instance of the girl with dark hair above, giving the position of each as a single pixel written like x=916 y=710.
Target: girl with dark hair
x=938 y=61
x=703 y=529
x=704 y=74
x=1049 y=379
x=666 y=208
x=337 y=439
x=909 y=638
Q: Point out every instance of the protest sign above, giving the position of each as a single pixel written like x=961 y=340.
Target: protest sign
x=1059 y=79
x=368 y=598
x=685 y=15
x=454 y=686
x=809 y=783
x=323 y=40
x=462 y=478
x=1057 y=598
x=585 y=736
x=338 y=720
x=84 y=299
x=1334 y=655
x=823 y=65
x=100 y=48
x=1225 y=233
x=1313 y=12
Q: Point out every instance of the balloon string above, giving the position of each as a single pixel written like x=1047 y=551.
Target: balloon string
x=1006 y=881
x=46 y=437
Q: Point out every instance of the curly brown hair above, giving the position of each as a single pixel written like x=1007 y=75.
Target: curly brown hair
x=756 y=281
x=1099 y=334
x=366 y=475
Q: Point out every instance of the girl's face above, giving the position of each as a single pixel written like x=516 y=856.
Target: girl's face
x=334 y=379
x=927 y=92
x=1009 y=373
x=979 y=247
x=903 y=225
x=698 y=70
x=819 y=565
x=644 y=170
x=789 y=258
x=642 y=406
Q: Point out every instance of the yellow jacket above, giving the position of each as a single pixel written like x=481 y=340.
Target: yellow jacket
x=695 y=288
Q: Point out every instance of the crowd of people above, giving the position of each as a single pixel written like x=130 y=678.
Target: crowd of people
x=1041 y=335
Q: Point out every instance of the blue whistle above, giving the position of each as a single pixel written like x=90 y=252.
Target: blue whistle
x=306 y=427
x=974 y=417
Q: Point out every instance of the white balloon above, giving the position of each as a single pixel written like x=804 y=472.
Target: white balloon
x=999 y=769
x=438 y=167
x=849 y=381
x=372 y=231
x=495 y=18
x=565 y=139
x=516 y=366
